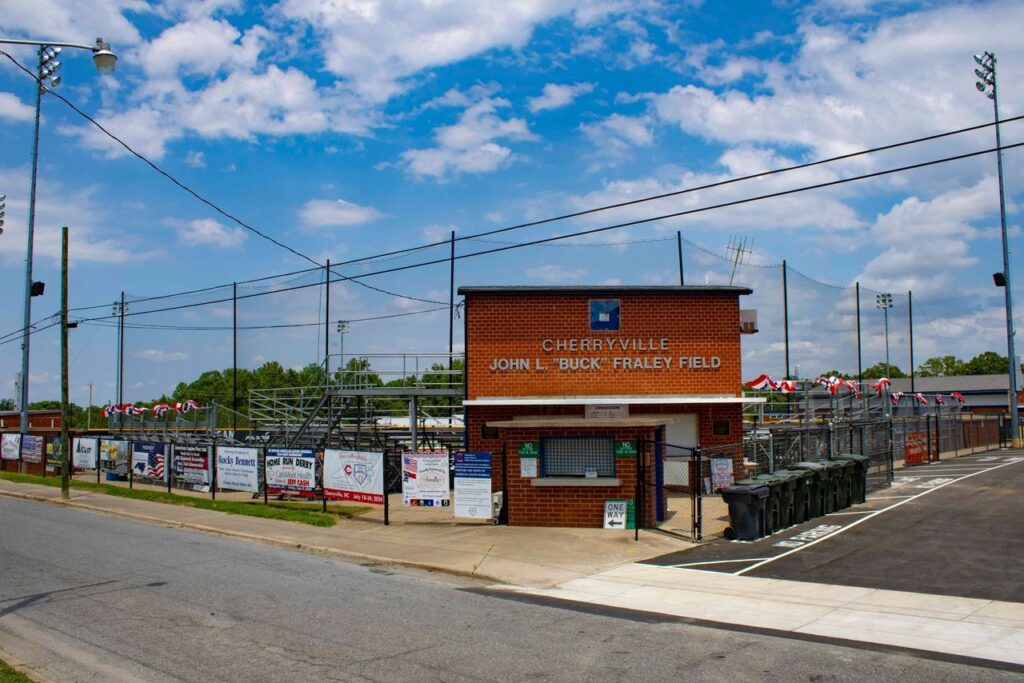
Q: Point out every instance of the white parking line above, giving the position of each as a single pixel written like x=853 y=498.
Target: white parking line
x=864 y=519
x=892 y=497
x=862 y=512
x=701 y=564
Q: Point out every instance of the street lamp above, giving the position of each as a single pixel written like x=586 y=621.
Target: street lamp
x=884 y=302
x=46 y=78
x=986 y=74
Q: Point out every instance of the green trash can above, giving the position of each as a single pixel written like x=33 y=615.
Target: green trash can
x=802 y=491
x=817 y=486
x=859 y=478
x=845 y=483
x=772 y=504
x=834 y=470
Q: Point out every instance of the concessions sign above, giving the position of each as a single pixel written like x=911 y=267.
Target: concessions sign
x=354 y=475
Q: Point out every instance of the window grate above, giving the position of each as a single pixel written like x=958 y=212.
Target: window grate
x=573 y=456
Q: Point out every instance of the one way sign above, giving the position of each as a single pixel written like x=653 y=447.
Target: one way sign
x=616 y=514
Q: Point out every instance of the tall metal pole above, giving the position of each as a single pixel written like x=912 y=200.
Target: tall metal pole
x=987 y=62
x=65 y=412
x=120 y=353
x=26 y=332
x=785 y=314
x=451 y=325
x=888 y=369
x=327 y=324
x=860 y=359
x=910 y=315
x=234 y=360
x=679 y=251
x=88 y=411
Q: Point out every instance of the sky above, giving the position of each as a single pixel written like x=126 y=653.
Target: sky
x=350 y=128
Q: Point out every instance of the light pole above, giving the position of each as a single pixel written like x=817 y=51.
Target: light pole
x=46 y=77
x=884 y=302
x=986 y=74
x=3 y=211
x=343 y=327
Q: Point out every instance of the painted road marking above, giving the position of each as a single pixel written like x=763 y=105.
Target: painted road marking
x=862 y=512
x=851 y=525
x=807 y=536
x=700 y=564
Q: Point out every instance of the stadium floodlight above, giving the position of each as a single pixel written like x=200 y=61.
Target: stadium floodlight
x=3 y=211
x=987 y=74
x=47 y=67
x=884 y=302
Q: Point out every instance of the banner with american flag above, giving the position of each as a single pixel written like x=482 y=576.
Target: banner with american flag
x=148 y=460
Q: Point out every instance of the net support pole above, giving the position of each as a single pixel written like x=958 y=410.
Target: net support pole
x=785 y=315
x=860 y=360
x=234 y=360
x=679 y=252
x=910 y=316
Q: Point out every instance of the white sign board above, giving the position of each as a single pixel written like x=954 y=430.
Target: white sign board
x=721 y=473
x=10 y=446
x=528 y=467
x=238 y=468
x=615 y=514
x=86 y=453
x=354 y=475
x=291 y=469
x=425 y=479
x=473 y=485
x=606 y=410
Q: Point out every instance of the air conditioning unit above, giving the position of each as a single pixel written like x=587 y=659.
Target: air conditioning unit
x=748 y=321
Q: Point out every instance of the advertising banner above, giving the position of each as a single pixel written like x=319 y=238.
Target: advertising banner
x=354 y=475
x=425 y=479
x=473 y=485
x=32 y=448
x=291 y=469
x=114 y=456
x=192 y=465
x=238 y=468
x=148 y=459
x=85 y=453
x=10 y=446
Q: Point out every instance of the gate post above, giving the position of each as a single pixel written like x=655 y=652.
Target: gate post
x=928 y=429
x=637 y=503
x=698 y=518
x=505 y=498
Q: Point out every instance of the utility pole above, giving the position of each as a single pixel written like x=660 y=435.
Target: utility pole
x=88 y=411
x=65 y=413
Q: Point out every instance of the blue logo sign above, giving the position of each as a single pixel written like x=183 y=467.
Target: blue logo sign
x=604 y=314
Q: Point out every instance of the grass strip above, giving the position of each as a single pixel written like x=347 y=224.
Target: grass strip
x=287 y=511
x=9 y=675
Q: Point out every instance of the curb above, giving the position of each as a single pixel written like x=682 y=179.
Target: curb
x=324 y=550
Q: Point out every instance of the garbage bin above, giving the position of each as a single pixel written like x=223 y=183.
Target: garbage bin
x=785 y=483
x=817 y=486
x=802 y=486
x=772 y=504
x=859 y=479
x=746 y=511
x=834 y=470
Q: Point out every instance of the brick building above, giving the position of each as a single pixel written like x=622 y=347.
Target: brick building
x=568 y=384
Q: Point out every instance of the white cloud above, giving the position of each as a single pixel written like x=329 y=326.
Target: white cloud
x=616 y=136
x=206 y=232
x=557 y=95
x=469 y=146
x=378 y=44
x=337 y=212
x=14 y=109
x=64 y=18
x=223 y=48
x=555 y=273
x=195 y=159
x=158 y=356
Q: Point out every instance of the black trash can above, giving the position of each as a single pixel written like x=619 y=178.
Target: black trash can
x=772 y=505
x=817 y=486
x=746 y=511
x=802 y=491
x=834 y=470
x=859 y=479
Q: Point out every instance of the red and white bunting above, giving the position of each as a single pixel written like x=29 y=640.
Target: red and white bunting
x=895 y=397
x=919 y=397
x=957 y=396
x=762 y=383
x=881 y=386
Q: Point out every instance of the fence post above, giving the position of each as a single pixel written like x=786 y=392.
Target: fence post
x=928 y=429
x=892 y=451
x=699 y=517
x=170 y=466
x=938 y=437
x=505 y=501
x=637 y=502
x=387 y=496
x=264 y=476
x=212 y=451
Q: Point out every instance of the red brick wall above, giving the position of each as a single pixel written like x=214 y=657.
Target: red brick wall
x=514 y=326
x=530 y=505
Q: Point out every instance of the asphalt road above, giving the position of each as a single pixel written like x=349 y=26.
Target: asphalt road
x=87 y=597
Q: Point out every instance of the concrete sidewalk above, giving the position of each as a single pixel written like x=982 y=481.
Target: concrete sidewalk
x=965 y=627
x=521 y=556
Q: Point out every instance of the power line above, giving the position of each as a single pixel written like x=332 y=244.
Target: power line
x=189 y=190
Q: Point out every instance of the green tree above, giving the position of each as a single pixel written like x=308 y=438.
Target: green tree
x=6 y=404
x=987 y=363
x=837 y=373
x=878 y=370
x=942 y=366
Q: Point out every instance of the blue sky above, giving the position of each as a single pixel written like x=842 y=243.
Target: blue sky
x=347 y=128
